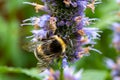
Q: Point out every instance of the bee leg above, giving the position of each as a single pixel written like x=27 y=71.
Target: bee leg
x=48 y=58
x=41 y=66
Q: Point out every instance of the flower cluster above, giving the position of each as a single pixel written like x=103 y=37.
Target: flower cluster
x=115 y=67
x=116 y=36
x=69 y=74
x=67 y=19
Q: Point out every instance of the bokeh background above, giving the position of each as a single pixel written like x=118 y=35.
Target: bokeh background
x=18 y=64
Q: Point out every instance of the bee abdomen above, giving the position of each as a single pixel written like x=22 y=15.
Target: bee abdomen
x=55 y=47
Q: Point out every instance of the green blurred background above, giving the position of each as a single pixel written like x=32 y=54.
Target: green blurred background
x=14 y=60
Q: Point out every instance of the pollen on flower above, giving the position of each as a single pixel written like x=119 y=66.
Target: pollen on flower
x=37 y=6
x=52 y=25
x=81 y=32
x=36 y=26
x=92 y=6
x=84 y=39
x=87 y=23
x=84 y=51
x=67 y=2
x=78 y=19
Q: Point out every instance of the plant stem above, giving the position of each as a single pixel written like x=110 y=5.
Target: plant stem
x=61 y=71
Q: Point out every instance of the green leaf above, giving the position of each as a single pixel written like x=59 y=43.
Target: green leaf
x=14 y=5
x=94 y=75
x=106 y=20
x=30 y=72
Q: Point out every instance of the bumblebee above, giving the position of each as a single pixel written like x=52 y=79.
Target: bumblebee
x=47 y=50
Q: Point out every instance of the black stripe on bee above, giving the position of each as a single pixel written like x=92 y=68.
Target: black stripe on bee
x=55 y=47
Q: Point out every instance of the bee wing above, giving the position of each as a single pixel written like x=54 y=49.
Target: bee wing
x=44 y=63
x=41 y=67
x=30 y=46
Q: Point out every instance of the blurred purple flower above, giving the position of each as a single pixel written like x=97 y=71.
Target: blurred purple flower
x=69 y=74
x=116 y=36
x=118 y=1
x=115 y=67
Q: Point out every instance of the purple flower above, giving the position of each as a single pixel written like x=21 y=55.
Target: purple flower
x=115 y=67
x=69 y=74
x=116 y=36
x=92 y=33
x=41 y=21
x=38 y=35
x=118 y=1
x=88 y=35
x=67 y=19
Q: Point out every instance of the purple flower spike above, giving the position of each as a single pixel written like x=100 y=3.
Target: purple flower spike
x=65 y=19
